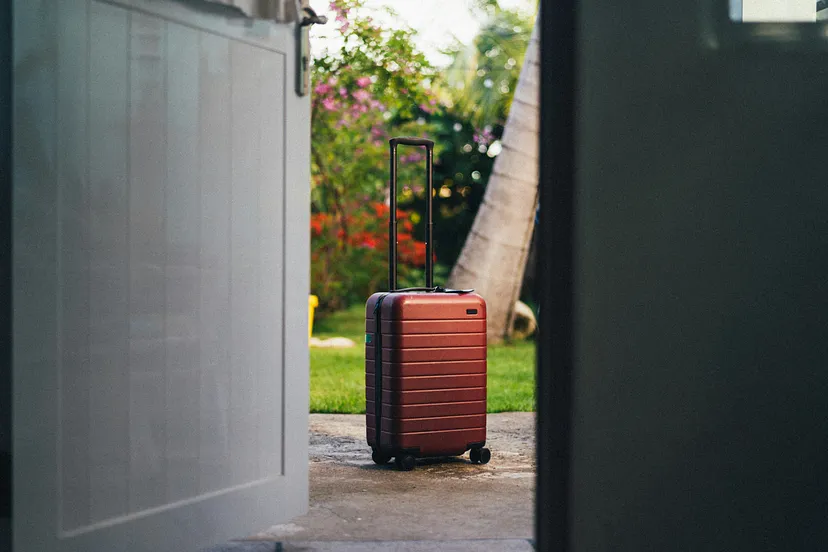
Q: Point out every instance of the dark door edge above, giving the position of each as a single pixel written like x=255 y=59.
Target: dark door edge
x=554 y=273
x=6 y=474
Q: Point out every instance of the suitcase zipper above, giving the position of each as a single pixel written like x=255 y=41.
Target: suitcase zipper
x=378 y=371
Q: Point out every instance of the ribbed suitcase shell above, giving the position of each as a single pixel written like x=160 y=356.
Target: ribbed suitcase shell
x=433 y=372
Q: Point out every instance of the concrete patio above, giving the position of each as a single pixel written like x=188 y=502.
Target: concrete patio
x=442 y=505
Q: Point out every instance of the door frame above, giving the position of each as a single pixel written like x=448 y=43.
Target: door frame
x=554 y=274
x=6 y=64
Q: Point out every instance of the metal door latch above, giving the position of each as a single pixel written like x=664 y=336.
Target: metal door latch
x=311 y=18
x=303 y=48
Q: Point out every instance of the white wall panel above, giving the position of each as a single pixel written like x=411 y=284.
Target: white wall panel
x=109 y=386
x=147 y=259
x=150 y=297
x=182 y=279
x=245 y=78
x=214 y=174
x=73 y=247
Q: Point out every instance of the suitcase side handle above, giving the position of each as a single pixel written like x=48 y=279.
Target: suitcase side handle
x=392 y=225
x=437 y=289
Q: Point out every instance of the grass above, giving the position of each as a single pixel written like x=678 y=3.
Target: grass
x=338 y=375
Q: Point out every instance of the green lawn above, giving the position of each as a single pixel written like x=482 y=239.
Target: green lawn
x=338 y=375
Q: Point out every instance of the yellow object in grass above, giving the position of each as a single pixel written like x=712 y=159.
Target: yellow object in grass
x=313 y=302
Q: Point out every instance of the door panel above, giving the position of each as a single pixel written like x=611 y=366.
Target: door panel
x=107 y=220
x=155 y=333
x=73 y=138
x=699 y=243
x=215 y=166
x=182 y=278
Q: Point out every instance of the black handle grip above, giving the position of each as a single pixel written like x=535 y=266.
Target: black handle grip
x=312 y=18
x=392 y=226
x=412 y=141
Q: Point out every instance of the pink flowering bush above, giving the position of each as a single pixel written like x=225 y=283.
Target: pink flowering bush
x=363 y=94
x=377 y=85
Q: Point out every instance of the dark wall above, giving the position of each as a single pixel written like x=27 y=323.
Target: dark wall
x=699 y=381
x=5 y=273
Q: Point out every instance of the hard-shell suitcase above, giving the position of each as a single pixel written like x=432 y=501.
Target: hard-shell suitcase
x=425 y=358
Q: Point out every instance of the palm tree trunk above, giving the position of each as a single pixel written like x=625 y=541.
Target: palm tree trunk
x=493 y=259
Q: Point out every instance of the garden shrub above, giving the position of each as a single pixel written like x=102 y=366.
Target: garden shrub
x=378 y=85
x=349 y=261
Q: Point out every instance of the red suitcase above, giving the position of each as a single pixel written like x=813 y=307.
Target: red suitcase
x=425 y=359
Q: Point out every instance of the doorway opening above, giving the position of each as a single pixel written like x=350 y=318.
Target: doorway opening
x=377 y=75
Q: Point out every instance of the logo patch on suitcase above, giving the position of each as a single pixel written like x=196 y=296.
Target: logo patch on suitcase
x=369 y=338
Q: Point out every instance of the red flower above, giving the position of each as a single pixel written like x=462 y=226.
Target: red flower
x=316 y=227
x=419 y=253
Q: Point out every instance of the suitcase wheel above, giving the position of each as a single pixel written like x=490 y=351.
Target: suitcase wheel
x=480 y=455
x=405 y=463
x=380 y=458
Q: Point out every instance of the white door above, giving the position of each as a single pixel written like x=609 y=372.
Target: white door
x=161 y=273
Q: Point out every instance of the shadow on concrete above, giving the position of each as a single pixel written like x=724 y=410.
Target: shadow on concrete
x=421 y=462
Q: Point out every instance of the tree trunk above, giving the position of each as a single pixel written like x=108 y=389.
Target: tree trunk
x=493 y=259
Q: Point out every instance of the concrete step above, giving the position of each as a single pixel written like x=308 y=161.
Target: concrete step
x=466 y=545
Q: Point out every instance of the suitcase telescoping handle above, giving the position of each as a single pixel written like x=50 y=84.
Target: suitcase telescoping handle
x=392 y=227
